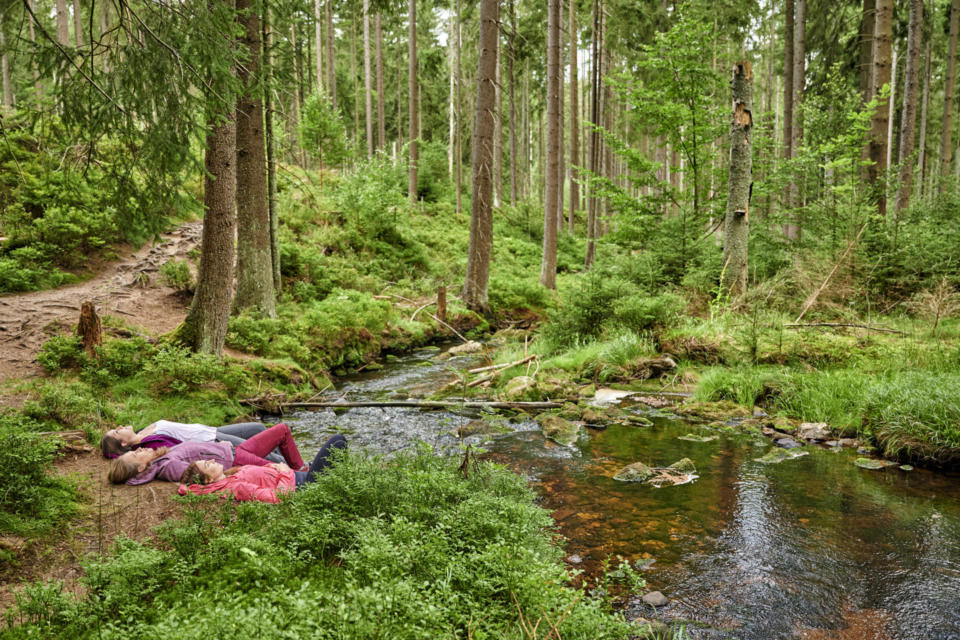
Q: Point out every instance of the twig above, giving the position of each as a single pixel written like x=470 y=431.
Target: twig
x=503 y=366
x=816 y=294
x=419 y=309
x=842 y=324
x=448 y=327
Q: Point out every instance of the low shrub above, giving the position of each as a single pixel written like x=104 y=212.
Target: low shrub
x=176 y=274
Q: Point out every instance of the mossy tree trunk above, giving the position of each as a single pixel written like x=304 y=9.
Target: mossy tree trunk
x=548 y=264
x=737 y=224
x=414 y=107
x=574 y=122
x=909 y=120
x=881 y=76
x=946 y=148
x=255 y=288
x=481 y=214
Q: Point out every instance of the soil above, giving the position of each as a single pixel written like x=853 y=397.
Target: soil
x=128 y=289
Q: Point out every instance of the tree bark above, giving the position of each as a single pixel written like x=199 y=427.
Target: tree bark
x=89 y=329
x=33 y=63
x=414 y=108
x=331 y=69
x=63 y=23
x=924 y=109
x=77 y=24
x=368 y=77
x=5 y=70
x=497 y=136
x=295 y=115
x=481 y=215
x=908 y=121
x=271 y=143
x=548 y=264
x=796 y=119
x=594 y=138
x=459 y=123
x=205 y=327
x=867 y=28
x=881 y=77
x=354 y=80
x=574 y=121
x=788 y=40
x=946 y=148
x=254 y=252
x=513 y=106
x=737 y=223
x=317 y=22
x=381 y=123
x=452 y=112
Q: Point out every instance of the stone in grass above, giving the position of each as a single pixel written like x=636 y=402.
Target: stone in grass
x=692 y=437
x=873 y=464
x=816 y=431
x=636 y=472
x=655 y=599
x=561 y=431
x=777 y=455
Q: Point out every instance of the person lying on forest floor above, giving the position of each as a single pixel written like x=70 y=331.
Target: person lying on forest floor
x=261 y=483
x=143 y=465
x=164 y=433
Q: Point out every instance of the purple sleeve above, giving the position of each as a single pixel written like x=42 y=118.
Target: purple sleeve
x=171 y=466
x=155 y=442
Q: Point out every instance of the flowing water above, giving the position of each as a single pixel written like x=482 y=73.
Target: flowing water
x=813 y=547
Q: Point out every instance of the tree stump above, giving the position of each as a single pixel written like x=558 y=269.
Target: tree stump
x=442 y=303
x=89 y=330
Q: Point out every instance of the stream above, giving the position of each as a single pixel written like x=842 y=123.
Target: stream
x=813 y=547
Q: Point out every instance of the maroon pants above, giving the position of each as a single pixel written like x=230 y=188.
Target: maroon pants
x=253 y=450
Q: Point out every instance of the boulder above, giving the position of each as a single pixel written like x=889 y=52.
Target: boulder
x=604 y=395
x=561 y=431
x=570 y=411
x=814 y=431
x=591 y=416
x=475 y=427
x=517 y=387
x=776 y=456
x=684 y=465
x=655 y=599
x=466 y=348
x=787 y=443
x=873 y=464
x=635 y=420
x=636 y=472
x=692 y=437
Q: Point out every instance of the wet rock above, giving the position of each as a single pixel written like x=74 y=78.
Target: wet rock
x=776 y=456
x=873 y=464
x=465 y=349
x=574 y=559
x=849 y=442
x=561 y=431
x=636 y=472
x=570 y=411
x=635 y=420
x=655 y=599
x=787 y=443
x=692 y=437
x=604 y=395
x=684 y=465
x=591 y=417
x=814 y=431
x=654 y=401
x=866 y=449
x=475 y=427
x=906 y=467
x=517 y=387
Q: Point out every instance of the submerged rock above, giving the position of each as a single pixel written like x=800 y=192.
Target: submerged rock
x=591 y=417
x=815 y=431
x=684 y=465
x=906 y=467
x=478 y=427
x=636 y=472
x=570 y=411
x=604 y=395
x=873 y=464
x=655 y=599
x=561 y=431
x=692 y=437
x=787 y=443
x=776 y=456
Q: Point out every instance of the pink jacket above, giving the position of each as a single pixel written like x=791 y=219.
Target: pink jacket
x=250 y=483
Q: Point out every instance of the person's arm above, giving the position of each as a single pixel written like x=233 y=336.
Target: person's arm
x=246 y=491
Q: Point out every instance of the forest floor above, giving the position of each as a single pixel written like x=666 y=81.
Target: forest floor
x=128 y=287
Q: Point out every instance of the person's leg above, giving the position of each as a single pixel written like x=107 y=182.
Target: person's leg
x=263 y=443
x=242 y=430
x=322 y=460
x=237 y=434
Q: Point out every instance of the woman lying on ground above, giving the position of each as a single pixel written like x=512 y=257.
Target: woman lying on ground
x=143 y=465
x=164 y=433
x=261 y=483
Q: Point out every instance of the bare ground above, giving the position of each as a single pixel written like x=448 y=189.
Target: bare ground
x=129 y=289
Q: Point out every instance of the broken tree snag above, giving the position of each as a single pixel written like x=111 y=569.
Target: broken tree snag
x=442 y=303
x=737 y=222
x=89 y=330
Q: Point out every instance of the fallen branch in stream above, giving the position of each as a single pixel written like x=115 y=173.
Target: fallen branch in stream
x=421 y=404
x=505 y=365
x=841 y=324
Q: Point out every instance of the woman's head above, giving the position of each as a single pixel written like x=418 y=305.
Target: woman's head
x=202 y=472
x=131 y=463
x=117 y=441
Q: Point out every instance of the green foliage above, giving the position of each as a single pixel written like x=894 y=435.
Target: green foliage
x=405 y=549
x=177 y=370
x=61 y=352
x=322 y=133
x=177 y=275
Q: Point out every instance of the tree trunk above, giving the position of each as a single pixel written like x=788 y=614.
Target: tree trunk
x=459 y=150
x=946 y=148
x=452 y=112
x=514 y=160
x=331 y=69
x=867 y=28
x=881 y=77
x=414 y=108
x=497 y=136
x=548 y=264
x=205 y=327
x=317 y=22
x=381 y=123
x=33 y=63
x=924 y=108
x=89 y=329
x=788 y=66
x=77 y=24
x=525 y=128
x=481 y=215
x=295 y=115
x=254 y=255
x=5 y=70
x=271 y=143
x=63 y=23
x=400 y=137
x=737 y=222
x=355 y=80
x=796 y=120
x=891 y=106
x=574 y=122
x=368 y=77
x=594 y=139
x=908 y=121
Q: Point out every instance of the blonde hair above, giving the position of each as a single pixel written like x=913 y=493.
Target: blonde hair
x=121 y=470
x=194 y=475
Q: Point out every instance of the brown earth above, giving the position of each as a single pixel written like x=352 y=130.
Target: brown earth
x=128 y=289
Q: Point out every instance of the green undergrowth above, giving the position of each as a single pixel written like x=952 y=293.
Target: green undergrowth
x=404 y=549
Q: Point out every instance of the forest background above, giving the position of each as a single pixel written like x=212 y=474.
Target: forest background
x=588 y=178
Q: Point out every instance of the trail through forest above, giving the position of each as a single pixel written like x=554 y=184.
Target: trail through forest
x=128 y=288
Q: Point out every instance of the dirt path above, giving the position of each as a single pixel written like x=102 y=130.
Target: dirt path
x=128 y=288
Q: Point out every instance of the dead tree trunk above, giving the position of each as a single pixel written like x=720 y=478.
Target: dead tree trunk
x=89 y=330
x=737 y=223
